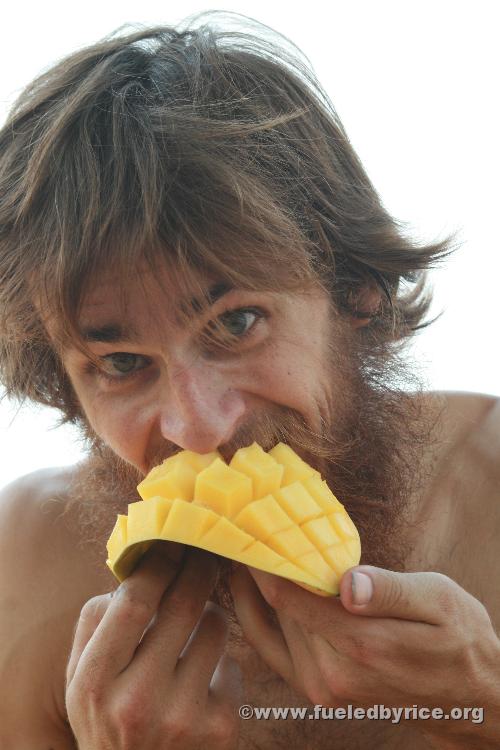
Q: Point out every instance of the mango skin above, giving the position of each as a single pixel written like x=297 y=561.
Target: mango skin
x=269 y=510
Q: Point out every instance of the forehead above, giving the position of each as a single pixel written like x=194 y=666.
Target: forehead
x=137 y=298
x=157 y=300
x=147 y=297
x=107 y=320
x=146 y=288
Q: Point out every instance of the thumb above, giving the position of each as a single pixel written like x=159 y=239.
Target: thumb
x=375 y=592
x=90 y=616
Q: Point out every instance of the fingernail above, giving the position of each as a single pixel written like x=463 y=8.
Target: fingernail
x=362 y=588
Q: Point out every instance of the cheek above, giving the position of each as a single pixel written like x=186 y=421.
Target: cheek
x=122 y=424
x=295 y=377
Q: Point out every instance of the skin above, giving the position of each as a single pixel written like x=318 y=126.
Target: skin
x=322 y=651
x=186 y=395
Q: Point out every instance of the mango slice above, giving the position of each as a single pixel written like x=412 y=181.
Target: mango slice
x=269 y=510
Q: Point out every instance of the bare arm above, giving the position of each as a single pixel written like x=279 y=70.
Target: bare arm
x=36 y=613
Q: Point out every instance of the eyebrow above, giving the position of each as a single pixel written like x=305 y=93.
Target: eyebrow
x=112 y=333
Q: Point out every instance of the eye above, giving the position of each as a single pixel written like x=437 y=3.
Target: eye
x=231 y=328
x=123 y=362
x=119 y=365
x=239 y=322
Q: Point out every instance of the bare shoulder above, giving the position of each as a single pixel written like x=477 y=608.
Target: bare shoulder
x=471 y=435
x=468 y=450
x=464 y=434
x=467 y=488
x=39 y=528
x=43 y=585
x=483 y=435
x=463 y=414
x=29 y=507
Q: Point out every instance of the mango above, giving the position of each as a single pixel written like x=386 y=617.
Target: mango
x=269 y=510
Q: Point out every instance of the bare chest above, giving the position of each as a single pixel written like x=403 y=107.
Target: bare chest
x=457 y=527
x=333 y=738
x=302 y=726
x=275 y=716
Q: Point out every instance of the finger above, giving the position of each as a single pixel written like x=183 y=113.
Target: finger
x=318 y=614
x=226 y=686
x=202 y=652
x=178 y=613
x=308 y=677
x=225 y=698
x=114 y=641
x=420 y=597
x=91 y=615
x=253 y=616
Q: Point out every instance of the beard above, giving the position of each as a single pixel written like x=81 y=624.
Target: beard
x=372 y=447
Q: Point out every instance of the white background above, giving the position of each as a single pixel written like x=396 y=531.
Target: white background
x=416 y=85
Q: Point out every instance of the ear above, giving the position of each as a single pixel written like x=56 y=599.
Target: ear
x=365 y=305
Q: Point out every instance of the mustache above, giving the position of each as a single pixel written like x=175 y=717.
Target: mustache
x=281 y=424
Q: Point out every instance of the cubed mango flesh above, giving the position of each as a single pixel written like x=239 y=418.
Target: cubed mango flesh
x=269 y=510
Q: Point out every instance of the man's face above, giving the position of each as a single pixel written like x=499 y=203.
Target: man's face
x=163 y=387
x=294 y=372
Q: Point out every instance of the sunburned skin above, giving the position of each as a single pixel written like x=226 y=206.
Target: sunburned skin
x=414 y=481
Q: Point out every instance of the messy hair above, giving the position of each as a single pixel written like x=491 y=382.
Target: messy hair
x=202 y=147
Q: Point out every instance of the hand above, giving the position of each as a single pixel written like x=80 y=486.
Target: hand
x=139 y=677
x=418 y=638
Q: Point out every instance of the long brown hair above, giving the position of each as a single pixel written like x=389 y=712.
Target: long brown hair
x=205 y=148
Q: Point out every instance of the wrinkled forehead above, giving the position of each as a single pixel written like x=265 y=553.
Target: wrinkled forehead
x=159 y=286
x=154 y=295
x=147 y=301
x=145 y=297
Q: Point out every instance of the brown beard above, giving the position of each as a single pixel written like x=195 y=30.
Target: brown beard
x=371 y=449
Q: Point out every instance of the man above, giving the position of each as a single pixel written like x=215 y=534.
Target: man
x=192 y=257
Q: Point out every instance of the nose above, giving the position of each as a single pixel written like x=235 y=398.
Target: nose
x=201 y=411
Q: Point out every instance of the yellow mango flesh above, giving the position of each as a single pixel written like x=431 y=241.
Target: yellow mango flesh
x=269 y=510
